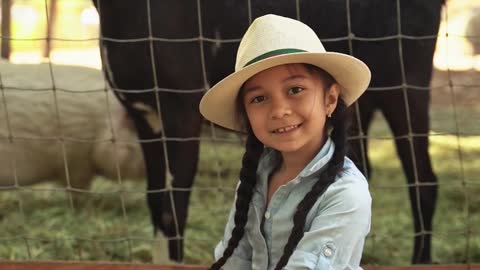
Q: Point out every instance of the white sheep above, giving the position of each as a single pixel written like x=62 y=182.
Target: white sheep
x=66 y=136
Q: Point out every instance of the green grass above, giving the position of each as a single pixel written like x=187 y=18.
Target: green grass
x=106 y=226
x=456 y=164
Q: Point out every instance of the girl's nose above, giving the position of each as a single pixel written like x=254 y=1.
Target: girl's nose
x=280 y=108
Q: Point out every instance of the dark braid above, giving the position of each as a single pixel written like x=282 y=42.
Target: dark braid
x=335 y=165
x=248 y=179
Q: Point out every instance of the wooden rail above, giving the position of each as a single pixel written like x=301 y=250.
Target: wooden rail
x=10 y=265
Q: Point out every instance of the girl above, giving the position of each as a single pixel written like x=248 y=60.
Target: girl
x=300 y=203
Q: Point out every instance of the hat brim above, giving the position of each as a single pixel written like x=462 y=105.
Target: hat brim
x=219 y=103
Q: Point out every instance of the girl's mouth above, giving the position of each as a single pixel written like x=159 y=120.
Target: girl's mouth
x=285 y=129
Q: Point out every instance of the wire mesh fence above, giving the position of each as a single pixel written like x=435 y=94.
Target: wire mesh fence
x=66 y=119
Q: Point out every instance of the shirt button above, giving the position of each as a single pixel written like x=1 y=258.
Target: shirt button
x=327 y=252
x=267 y=215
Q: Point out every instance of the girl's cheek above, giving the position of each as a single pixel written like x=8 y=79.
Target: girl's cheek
x=305 y=102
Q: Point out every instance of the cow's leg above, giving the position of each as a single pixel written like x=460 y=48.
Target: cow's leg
x=169 y=190
x=147 y=123
x=158 y=202
x=412 y=149
x=183 y=163
x=151 y=129
x=416 y=58
x=361 y=114
x=183 y=132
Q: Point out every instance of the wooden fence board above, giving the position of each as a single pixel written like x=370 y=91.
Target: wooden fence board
x=12 y=265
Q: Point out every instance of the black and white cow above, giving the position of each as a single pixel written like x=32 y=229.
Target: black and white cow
x=188 y=45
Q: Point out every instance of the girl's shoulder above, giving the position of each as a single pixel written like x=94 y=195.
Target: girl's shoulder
x=350 y=185
x=350 y=172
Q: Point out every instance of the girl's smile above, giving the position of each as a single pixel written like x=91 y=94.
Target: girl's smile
x=286 y=129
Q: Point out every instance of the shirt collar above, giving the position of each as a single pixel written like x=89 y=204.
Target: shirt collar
x=320 y=160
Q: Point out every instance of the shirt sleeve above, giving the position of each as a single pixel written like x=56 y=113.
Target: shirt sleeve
x=337 y=233
x=242 y=256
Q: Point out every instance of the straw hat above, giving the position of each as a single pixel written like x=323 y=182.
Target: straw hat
x=273 y=40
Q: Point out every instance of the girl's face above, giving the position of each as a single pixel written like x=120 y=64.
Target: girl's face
x=287 y=107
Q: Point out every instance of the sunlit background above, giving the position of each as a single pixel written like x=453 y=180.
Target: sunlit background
x=77 y=25
x=75 y=33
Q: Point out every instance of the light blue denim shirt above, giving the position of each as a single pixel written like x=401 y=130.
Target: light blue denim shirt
x=335 y=228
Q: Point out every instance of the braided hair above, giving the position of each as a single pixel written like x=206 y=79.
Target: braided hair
x=248 y=178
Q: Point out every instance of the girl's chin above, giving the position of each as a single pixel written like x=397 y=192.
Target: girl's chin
x=296 y=146
x=287 y=147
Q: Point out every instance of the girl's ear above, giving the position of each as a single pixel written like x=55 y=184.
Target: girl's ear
x=331 y=98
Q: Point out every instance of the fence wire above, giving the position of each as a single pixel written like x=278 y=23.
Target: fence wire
x=222 y=148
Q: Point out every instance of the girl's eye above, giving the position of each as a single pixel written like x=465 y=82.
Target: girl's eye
x=295 y=90
x=257 y=99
